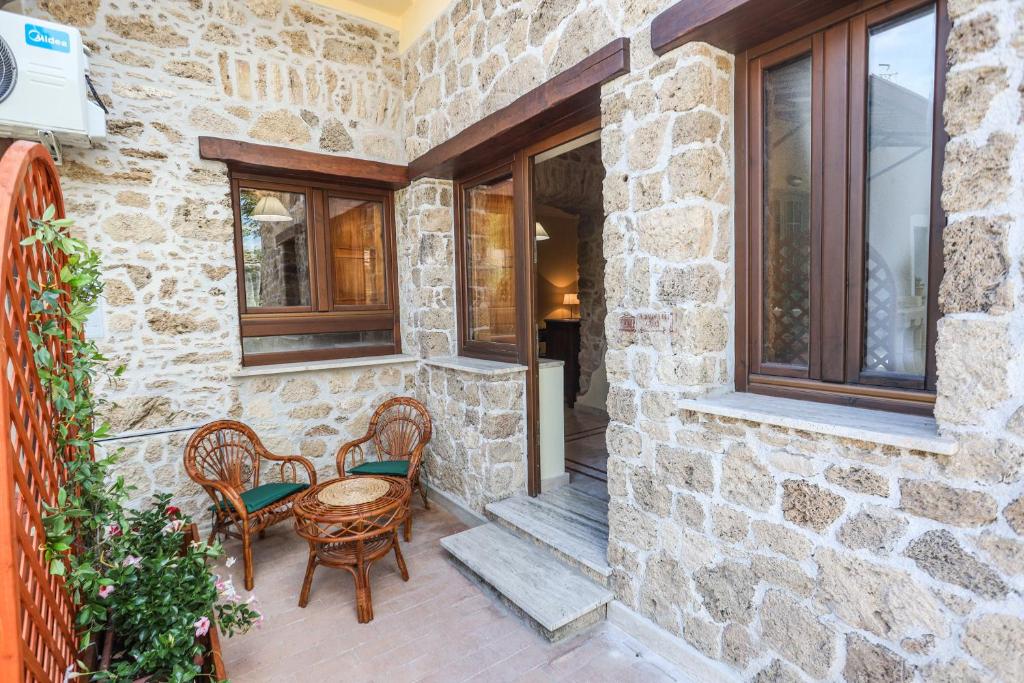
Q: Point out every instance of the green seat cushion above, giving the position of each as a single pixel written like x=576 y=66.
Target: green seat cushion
x=268 y=494
x=387 y=468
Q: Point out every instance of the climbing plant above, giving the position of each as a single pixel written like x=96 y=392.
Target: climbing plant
x=130 y=573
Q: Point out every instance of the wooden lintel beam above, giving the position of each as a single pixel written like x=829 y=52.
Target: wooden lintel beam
x=734 y=25
x=256 y=158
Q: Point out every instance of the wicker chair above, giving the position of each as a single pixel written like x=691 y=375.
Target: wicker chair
x=400 y=429
x=224 y=458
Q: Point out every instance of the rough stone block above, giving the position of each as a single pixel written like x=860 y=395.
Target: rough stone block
x=797 y=634
x=867 y=662
x=727 y=591
x=885 y=601
x=810 y=505
x=959 y=507
x=940 y=554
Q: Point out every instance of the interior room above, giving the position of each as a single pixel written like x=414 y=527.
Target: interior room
x=570 y=305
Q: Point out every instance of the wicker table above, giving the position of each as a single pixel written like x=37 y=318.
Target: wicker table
x=350 y=523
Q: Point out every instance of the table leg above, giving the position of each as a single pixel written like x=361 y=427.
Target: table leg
x=307 y=582
x=398 y=556
x=364 y=599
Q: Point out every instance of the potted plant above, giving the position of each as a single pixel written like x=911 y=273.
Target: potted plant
x=151 y=599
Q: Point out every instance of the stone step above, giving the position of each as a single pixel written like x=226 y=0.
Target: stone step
x=568 y=522
x=557 y=600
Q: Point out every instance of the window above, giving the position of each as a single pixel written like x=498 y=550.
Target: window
x=487 y=283
x=316 y=270
x=840 y=233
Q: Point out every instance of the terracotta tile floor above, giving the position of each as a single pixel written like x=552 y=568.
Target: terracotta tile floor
x=440 y=626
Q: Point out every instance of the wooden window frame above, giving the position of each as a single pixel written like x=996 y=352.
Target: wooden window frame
x=322 y=315
x=507 y=353
x=837 y=44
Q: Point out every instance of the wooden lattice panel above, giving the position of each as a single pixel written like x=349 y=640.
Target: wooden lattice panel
x=787 y=263
x=37 y=636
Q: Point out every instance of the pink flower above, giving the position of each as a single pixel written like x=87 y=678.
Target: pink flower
x=105 y=591
x=259 y=619
x=132 y=561
x=112 y=530
x=202 y=626
x=172 y=511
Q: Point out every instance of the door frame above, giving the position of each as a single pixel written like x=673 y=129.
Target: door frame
x=526 y=279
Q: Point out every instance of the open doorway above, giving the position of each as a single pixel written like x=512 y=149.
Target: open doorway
x=569 y=311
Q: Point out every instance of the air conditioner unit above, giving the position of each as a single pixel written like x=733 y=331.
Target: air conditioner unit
x=43 y=85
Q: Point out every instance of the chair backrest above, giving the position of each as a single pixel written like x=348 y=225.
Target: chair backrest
x=225 y=451
x=398 y=426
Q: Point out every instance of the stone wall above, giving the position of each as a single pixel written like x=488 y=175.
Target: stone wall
x=289 y=73
x=480 y=55
x=426 y=266
x=478 y=452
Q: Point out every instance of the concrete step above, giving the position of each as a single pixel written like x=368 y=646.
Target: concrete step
x=556 y=599
x=568 y=522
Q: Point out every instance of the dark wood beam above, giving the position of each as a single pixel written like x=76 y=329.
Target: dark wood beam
x=569 y=98
x=734 y=25
x=255 y=158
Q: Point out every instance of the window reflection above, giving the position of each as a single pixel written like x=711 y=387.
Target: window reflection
x=490 y=262
x=275 y=247
x=357 y=252
x=787 y=212
x=901 y=90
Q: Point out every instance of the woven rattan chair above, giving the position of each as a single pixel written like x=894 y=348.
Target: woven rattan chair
x=225 y=458
x=399 y=429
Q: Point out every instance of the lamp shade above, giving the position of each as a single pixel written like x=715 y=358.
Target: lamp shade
x=269 y=209
x=542 y=234
x=571 y=299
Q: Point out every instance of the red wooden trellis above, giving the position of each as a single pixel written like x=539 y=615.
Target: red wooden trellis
x=37 y=633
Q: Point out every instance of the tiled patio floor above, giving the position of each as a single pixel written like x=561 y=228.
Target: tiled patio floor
x=440 y=626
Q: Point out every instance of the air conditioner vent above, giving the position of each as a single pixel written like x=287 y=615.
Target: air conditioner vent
x=8 y=70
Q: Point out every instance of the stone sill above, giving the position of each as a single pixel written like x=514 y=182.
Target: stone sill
x=914 y=432
x=314 y=366
x=476 y=366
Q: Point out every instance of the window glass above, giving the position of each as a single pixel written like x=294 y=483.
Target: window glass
x=315 y=342
x=357 y=251
x=275 y=246
x=490 y=262
x=787 y=212
x=898 y=187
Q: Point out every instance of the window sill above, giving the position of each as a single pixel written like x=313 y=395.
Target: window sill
x=314 y=366
x=914 y=432
x=476 y=366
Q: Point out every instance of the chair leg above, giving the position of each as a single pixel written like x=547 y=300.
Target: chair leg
x=408 y=527
x=423 y=492
x=213 y=529
x=307 y=581
x=247 y=555
x=401 y=560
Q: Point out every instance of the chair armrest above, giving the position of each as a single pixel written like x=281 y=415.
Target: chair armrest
x=292 y=460
x=415 y=459
x=230 y=495
x=356 y=449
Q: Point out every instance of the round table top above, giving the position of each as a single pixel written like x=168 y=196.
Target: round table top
x=353 y=498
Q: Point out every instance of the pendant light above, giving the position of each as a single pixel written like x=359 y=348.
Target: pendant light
x=269 y=209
